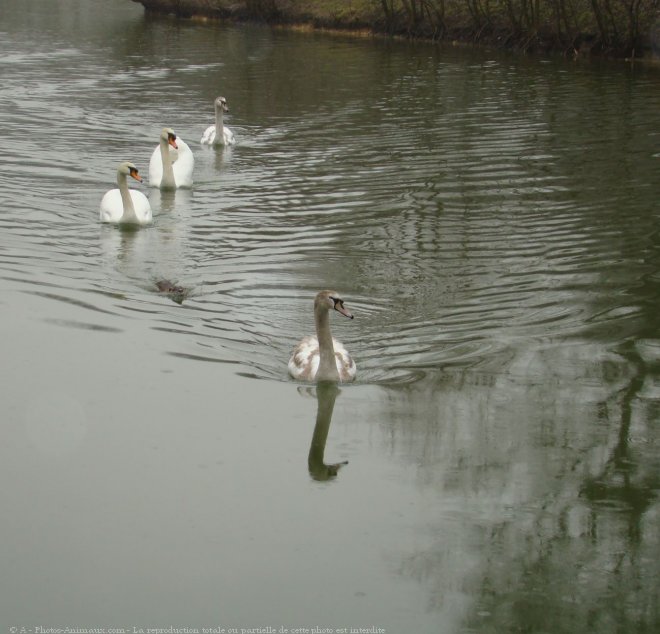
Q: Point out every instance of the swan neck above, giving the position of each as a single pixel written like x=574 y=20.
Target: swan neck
x=219 y=120
x=167 y=182
x=327 y=363
x=126 y=200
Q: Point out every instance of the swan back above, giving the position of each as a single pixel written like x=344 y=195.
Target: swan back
x=172 y=162
x=322 y=357
x=124 y=205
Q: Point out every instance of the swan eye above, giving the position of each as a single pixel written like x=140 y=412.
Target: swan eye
x=171 y=137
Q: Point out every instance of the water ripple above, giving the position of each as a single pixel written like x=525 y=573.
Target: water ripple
x=456 y=225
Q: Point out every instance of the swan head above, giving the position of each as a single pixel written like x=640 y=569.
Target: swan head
x=331 y=300
x=167 y=135
x=221 y=104
x=128 y=169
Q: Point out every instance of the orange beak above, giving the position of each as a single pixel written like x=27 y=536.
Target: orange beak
x=172 y=142
x=136 y=176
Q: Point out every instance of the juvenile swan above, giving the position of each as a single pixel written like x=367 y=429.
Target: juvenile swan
x=172 y=162
x=218 y=134
x=323 y=358
x=125 y=205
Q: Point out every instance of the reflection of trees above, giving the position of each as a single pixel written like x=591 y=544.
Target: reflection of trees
x=326 y=393
x=622 y=479
x=543 y=512
x=595 y=567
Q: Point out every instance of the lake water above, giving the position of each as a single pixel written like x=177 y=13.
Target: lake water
x=493 y=223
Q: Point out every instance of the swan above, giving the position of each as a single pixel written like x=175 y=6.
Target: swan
x=126 y=205
x=171 y=168
x=323 y=358
x=218 y=134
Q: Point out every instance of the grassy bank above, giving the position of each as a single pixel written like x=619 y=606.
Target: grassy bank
x=621 y=28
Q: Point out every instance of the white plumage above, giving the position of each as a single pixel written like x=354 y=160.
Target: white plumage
x=172 y=162
x=218 y=134
x=322 y=357
x=125 y=205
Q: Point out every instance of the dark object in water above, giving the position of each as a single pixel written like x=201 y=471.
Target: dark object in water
x=174 y=291
x=165 y=286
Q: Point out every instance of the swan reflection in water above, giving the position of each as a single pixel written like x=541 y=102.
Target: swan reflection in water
x=326 y=393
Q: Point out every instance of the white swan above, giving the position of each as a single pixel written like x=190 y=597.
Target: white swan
x=218 y=134
x=125 y=205
x=323 y=358
x=172 y=162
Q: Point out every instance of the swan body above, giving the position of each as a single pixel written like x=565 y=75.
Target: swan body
x=172 y=162
x=218 y=134
x=322 y=357
x=124 y=205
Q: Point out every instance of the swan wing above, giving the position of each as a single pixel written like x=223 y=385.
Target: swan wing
x=228 y=136
x=142 y=207
x=304 y=361
x=208 y=138
x=345 y=364
x=112 y=208
x=184 y=164
x=155 y=168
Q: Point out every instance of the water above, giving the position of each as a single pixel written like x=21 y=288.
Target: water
x=490 y=220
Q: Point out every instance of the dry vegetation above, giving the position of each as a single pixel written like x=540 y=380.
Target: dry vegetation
x=617 y=27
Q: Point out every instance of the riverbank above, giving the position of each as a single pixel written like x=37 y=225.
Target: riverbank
x=569 y=27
